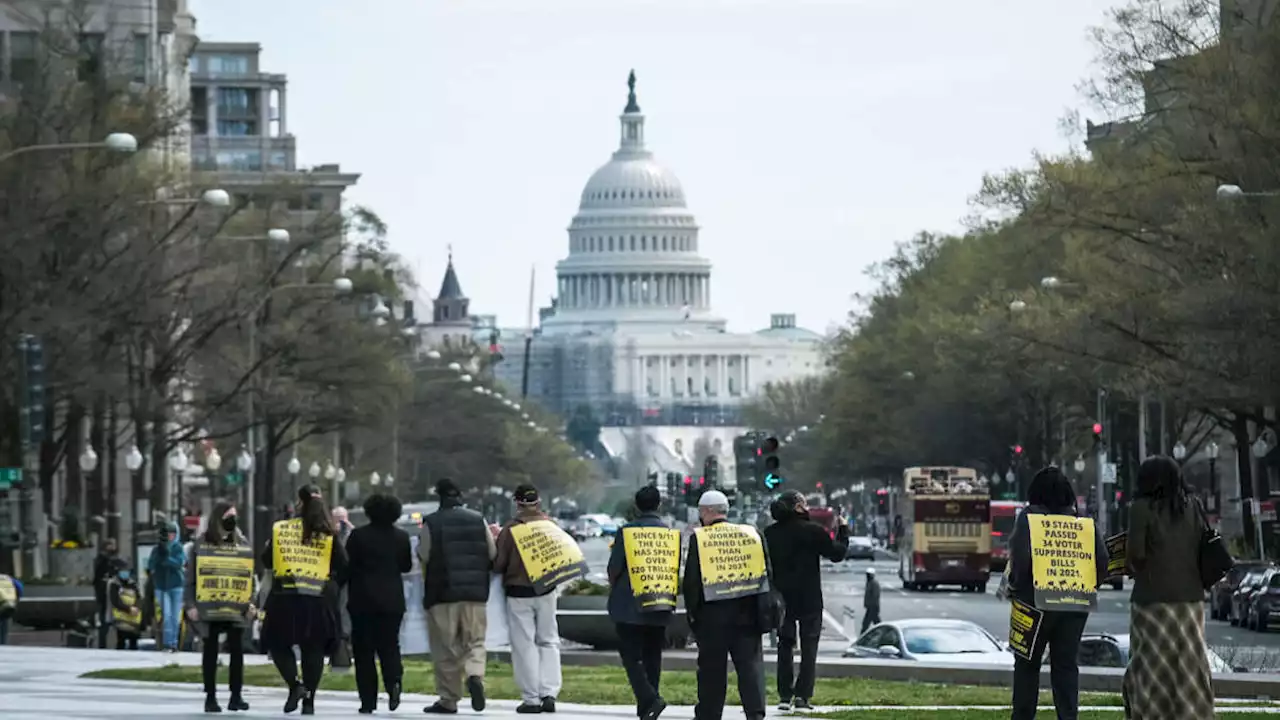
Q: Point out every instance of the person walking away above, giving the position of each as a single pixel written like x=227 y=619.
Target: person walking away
x=125 y=602
x=642 y=617
x=219 y=601
x=531 y=614
x=870 y=601
x=307 y=567
x=1168 y=672
x=1050 y=494
x=10 y=596
x=456 y=551
x=378 y=555
x=340 y=661
x=105 y=566
x=724 y=608
x=796 y=547
x=168 y=568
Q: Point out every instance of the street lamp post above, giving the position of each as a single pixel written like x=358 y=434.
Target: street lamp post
x=178 y=464
x=115 y=142
x=340 y=286
x=1260 y=448
x=294 y=467
x=1179 y=452
x=1211 y=451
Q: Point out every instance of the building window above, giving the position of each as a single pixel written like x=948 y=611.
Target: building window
x=242 y=160
x=228 y=65
x=706 y=387
x=689 y=382
x=733 y=387
x=90 y=59
x=193 y=64
x=141 y=57
x=234 y=102
x=279 y=160
x=315 y=201
x=235 y=128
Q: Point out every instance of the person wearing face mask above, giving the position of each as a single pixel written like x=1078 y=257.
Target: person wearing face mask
x=125 y=601
x=219 y=600
x=796 y=544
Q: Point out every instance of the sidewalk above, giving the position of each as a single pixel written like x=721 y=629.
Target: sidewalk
x=38 y=683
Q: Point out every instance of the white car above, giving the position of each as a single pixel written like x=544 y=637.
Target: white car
x=958 y=642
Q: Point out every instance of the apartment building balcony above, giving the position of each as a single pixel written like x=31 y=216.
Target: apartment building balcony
x=244 y=153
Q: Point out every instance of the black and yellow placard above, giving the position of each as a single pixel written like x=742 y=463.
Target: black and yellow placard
x=653 y=566
x=1117 y=556
x=8 y=593
x=299 y=567
x=731 y=560
x=128 y=617
x=1063 y=571
x=1024 y=628
x=550 y=555
x=224 y=582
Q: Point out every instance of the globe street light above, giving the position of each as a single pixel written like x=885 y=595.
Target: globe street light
x=88 y=459
x=115 y=142
x=465 y=378
x=133 y=459
x=1179 y=451
x=479 y=390
x=1079 y=465
x=314 y=470
x=343 y=286
x=121 y=143
x=1017 y=306
x=294 y=466
x=244 y=461
x=212 y=460
x=390 y=480
x=433 y=354
x=330 y=471
x=381 y=311
x=340 y=476
x=278 y=235
x=216 y=197
x=178 y=460
x=455 y=367
x=1229 y=192
x=375 y=479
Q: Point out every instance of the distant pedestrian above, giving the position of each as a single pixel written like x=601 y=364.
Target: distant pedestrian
x=1050 y=493
x=105 y=566
x=308 y=567
x=1168 y=672
x=379 y=556
x=796 y=547
x=456 y=550
x=340 y=660
x=10 y=596
x=724 y=607
x=211 y=620
x=642 y=631
x=531 y=615
x=168 y=568
x=870 y=601
x=126 y=601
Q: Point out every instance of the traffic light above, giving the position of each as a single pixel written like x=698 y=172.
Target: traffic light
x=1097 y=433
x=653 y=478
x=689 y=498
x=673 y=484
x=1017 y=450
x=768 y=450
x=711 y=470
x=746 y=449
x=882 y=502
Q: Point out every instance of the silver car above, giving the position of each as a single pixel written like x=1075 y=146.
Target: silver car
x=958 y=642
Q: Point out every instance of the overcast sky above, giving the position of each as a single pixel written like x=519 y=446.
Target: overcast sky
x=810 y=136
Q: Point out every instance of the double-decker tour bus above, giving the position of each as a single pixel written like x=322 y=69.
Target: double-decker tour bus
x=1004 y=513
x=946 y=529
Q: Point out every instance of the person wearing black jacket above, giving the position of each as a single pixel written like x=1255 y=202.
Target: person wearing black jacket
x=725 y=629
x=796 y=544
x=1050 y=494
x=378 y=555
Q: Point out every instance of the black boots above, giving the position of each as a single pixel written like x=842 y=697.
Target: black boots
x=393 y=696
x=237 y=703
x=295 y=696
x=211 y=704
x=309 y=703
x=475 y=688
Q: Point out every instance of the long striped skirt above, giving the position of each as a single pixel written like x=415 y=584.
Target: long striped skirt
x=1168 y=674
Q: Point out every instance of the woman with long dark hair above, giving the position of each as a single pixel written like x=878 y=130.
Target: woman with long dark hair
x=308 y=566
x=218 y=600
x=1050 y=493
x=1168 y=671
x=380 y=554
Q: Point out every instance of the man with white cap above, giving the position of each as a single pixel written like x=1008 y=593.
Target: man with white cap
x=726 y=572
x=871 y=601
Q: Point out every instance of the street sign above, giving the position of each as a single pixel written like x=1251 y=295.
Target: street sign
x=1109 y=473
x=10 y=477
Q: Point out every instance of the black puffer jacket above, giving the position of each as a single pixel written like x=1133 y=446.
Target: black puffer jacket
x=795 y=546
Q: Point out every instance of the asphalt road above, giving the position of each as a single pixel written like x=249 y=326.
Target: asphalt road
x=843 y=585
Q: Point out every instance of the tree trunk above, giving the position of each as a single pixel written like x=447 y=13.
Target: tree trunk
x=1244 y=466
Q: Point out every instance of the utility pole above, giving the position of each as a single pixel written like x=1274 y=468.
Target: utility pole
x=32 y=422
x=1100 y=447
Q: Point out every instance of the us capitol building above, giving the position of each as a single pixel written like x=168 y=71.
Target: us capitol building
x=631 y=333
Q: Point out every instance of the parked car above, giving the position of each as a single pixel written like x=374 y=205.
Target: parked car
x=943 y=641
x=861 y=548
x=1102 y=650
x=1221 y=592
x=1264 y=603
x=1243 y=594
x=605 y=523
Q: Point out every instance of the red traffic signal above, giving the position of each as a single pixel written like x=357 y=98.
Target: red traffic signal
x=702 y=480
x=882 y=491
x=688 y=480
x=819 y=486
x=1097 y=428
x=1017 y=449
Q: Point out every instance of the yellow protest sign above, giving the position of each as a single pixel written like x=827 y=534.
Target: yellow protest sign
x=1117 y=555
x=1024 y=628
x=731 y=560
x=1063 y=572
x=128 y=616
x=299 y=567
x=653 y=566
x=8 y=593
x=550 y=555
x=224 y=582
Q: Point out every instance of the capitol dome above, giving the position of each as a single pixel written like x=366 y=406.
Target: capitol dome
x=633 y=246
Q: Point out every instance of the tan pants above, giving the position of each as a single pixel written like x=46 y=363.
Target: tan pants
x=456 y=633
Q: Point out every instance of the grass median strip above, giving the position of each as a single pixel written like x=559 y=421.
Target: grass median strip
x=608 y=686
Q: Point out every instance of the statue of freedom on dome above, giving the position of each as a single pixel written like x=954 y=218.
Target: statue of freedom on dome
x=632 y=107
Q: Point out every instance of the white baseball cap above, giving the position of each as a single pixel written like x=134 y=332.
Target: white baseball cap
x=712 y=498
x=871 y=571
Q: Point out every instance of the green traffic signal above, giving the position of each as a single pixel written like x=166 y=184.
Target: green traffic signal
x=773 y=480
